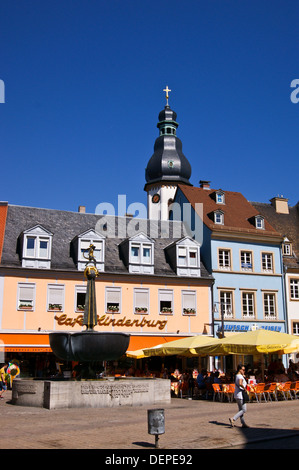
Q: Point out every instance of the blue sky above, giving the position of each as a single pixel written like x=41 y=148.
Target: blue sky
x=84 y=86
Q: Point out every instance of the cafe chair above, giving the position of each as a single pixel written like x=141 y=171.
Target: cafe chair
x=217 y=392
x=259 y=392
x=228 y=391
x=285 y=389
x=296 y=390
x=270 y=389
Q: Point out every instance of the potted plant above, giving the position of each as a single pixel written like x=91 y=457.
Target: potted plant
x=55 y=307
x=140 y=309
x=189 y=310
x=25 y=306
x=113 y=308
x=166 y=310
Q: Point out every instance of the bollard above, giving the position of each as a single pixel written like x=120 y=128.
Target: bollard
x=156 y=424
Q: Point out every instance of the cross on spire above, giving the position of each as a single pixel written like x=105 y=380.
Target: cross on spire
x=167 y=96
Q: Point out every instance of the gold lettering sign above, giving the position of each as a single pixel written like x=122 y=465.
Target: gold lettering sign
x=106 y=320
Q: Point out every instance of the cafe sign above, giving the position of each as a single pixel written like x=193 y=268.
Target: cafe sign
x=107 y=320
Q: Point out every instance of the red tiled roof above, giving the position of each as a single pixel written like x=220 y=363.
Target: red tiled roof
x=238 y=212
x=3 y=213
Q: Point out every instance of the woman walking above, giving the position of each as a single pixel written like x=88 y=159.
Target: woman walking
x=240 y=385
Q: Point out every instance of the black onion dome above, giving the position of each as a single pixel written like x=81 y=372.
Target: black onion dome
x=168 y=163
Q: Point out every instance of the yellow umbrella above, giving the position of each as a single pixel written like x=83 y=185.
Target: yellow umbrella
x=253 y=342
x=180 y=347
x=138 y=354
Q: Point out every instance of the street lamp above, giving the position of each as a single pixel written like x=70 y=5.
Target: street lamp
x=225 y=307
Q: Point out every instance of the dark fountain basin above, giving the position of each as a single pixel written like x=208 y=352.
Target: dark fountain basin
x=89 y=346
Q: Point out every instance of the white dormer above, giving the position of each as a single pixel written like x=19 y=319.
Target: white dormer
x=138 y=254
x=84 y=241
x=220 y=197
x=37 y=248
x=219 y=217
x=184 y=256
x=141 y=254
x=259 y=222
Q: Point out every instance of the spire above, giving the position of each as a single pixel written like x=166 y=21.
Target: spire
x=167 y=96
x=168 y=163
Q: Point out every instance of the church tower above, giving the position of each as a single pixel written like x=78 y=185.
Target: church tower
x=167 y=167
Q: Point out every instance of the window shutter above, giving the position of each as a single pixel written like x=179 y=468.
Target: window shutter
x=113 y=296
x=141 y=298
x=189 y=300
x=56 y=295
x=26 y=293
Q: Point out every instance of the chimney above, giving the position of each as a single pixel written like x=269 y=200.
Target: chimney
x=280 y=204
x=204 y=184
x=82 y=209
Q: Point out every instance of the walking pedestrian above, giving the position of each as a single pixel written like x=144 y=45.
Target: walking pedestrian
x=3 y=386
x=240 y=386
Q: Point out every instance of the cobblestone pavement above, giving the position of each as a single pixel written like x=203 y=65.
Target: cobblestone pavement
x=189 y=424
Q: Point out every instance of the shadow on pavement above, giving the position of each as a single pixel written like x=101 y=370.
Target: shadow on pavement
x=269 y=436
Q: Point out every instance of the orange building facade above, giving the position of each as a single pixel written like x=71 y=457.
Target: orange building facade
x=155 y=289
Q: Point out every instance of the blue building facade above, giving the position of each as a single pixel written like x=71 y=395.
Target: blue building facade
x=243 y=253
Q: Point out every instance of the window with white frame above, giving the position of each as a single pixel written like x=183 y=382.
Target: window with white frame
x=80 y=293
x=267 y=262
x=246 y=261
x=226 y=303
x=189 y=302
x=141 y=300
x=84 y=248
x=248 y=304
x=166 y=301
x=26 y=296
x=187 y=256
x=113 y=299
x=287 y=250
x=270 y=306
x=260 y=222
x=294 y=289
x=295 y=327
x=224 y=259
x=55 y=297
x=90 y=237
x=37 y=246
x=141 y=253
x=219 y=217
x=220 y=198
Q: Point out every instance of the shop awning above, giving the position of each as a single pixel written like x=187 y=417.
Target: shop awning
x=25 y=342
x=39 y=342
x=141 y=342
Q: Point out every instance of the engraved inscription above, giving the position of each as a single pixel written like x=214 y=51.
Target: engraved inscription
x=115 y=390
x=26 y=388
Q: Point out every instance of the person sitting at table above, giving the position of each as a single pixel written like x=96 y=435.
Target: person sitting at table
x=201 y=379
x=217 y=379
x=281 y=376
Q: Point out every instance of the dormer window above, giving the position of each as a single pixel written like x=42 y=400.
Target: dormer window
x=286 y=247
x=83 y=243
x=37 y=247
x=219 y=217
x=184 y=257
x=259 y=222
x=138 y=254
x=220 y=197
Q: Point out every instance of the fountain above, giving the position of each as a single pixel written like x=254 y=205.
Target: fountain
x=88 y=347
